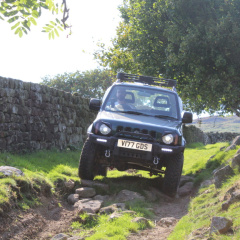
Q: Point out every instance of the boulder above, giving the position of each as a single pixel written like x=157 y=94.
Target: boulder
x=206 y=183
x=90 y=206
x=235 y=197
x=186 y=189
x=85 y=192
x=126 y=195
x=236 y=141
x=167 y=222
x=220 y=225
x=101 y=198
x=141 y=220
x=116 y=207
x=9 y=171
x=222 y=175
x=73 y=198
x=236 y=161
x=69 y=184
x=185 y=179
x=89 y=183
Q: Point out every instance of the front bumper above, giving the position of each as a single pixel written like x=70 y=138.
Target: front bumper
x=158 y=150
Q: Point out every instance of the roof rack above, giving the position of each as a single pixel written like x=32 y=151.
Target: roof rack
x=163 y=82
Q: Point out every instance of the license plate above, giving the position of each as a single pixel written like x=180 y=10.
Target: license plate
x=134 y=145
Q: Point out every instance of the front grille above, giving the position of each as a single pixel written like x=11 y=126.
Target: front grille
x=135 y=133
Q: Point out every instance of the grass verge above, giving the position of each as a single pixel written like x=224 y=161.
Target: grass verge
x=208 y=202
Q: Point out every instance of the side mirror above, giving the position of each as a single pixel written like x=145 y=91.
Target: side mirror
x=95 y=104
x=187 y=117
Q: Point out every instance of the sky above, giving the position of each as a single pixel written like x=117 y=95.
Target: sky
x=34 y=56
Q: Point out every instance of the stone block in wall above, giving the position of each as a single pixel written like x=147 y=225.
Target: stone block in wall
x=27 y=86
x=3 y=144
x=18 y=85
x=35 y=87
x=2 y=117
x=49 y=137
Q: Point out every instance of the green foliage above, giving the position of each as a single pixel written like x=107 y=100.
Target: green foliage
x=196 y=42
x=88 y=84
x=42 y=170
x=118 y=228
x=23 y=14
x=203 y=207
x=197 y=155
x=209 y=200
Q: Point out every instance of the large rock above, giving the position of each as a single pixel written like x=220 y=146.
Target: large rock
x=236 y=141
x=235 y=197
x=236 y=161
x=222 y=175
x=186 y=189
x=69 y=184
x=167 y=222
x=89 y=183
x=184 y=179
x=220 y=225
x=141 y=220
x=126 y=195
x=206 y=183
x=73 y=198
x=9 y=171
x=85 y=192
x=116 y=207
x=88 y=206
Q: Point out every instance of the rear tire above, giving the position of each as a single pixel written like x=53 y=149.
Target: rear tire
x=87 y=161
x=173 y=174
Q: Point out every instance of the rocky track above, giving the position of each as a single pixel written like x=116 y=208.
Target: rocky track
x=54 y=216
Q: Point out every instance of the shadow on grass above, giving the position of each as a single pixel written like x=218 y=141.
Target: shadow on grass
x=133 y=183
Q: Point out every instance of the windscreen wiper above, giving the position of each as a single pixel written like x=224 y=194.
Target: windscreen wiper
x=134 y=112
x=164 y=116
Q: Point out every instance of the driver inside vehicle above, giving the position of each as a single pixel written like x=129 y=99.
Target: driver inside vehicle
x=121 y=103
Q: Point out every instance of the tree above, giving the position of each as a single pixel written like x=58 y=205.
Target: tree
x=195 y=42
x=23 y=13
x=88 y=84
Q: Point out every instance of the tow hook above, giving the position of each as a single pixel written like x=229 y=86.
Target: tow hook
x=107 y=153
x=156 y=160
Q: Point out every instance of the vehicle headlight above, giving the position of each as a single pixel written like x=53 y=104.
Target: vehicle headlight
x=168 y=139
x=104 y=129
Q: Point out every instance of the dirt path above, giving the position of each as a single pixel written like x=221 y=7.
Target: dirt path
x=55 y=216
x=165 y=208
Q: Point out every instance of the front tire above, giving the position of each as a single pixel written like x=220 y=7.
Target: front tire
x=87 y=161
x=173 y=174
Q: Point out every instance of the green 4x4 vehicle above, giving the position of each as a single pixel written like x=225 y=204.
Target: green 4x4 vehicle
x=138 y=126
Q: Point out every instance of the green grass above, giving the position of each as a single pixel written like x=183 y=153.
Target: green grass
x=46 y=169
x=208 y=202
x=42 y=169
x=200 y=160
x=105 y=228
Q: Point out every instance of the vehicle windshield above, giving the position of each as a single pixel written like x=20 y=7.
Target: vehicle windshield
x=142 y=101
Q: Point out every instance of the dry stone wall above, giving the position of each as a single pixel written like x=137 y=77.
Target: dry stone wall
x=193 y=134
x=34 y=117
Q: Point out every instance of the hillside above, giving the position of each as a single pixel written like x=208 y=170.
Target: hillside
x=43 y=200
x=218 y=124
